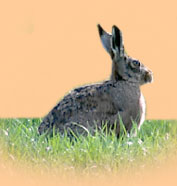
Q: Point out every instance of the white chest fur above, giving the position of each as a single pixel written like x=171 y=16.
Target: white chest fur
x=143 y=110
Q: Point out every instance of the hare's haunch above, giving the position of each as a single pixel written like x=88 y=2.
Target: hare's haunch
x=87 y=108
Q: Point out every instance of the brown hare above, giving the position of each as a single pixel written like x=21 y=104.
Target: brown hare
x=87 y=108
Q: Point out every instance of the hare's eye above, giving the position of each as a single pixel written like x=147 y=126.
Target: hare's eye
x=135 y=63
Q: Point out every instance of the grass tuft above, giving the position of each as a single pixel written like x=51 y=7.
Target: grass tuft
x=21 y=144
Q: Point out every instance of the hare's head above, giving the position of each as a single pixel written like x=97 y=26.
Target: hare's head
x=124 y=67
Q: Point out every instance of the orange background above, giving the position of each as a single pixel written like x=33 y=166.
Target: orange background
x=162 y=176
x=49 y=47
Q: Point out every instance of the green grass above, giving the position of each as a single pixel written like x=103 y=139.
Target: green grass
x=20 y=144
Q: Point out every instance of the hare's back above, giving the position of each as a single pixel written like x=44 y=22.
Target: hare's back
x=83 y=103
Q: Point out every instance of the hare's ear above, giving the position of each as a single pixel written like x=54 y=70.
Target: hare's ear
x=105 y=39
x=117 y=41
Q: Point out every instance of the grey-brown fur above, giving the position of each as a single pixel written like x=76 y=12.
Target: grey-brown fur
x=86 y=108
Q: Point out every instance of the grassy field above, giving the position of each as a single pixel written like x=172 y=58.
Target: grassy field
x=21 y=145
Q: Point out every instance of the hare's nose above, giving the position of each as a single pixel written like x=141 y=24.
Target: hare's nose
x=149 y=76
x=150 y=72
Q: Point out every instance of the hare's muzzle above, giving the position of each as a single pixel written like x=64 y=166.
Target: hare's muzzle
x=148 y=77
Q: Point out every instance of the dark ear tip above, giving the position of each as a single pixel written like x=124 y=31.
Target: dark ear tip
x=114 y=27
x=98 y=25
x=100 y=29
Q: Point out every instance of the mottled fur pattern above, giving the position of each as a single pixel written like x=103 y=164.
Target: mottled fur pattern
x=87 y=108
